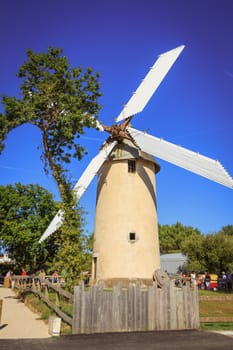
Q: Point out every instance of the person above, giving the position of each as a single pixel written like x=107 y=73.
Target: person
x=223 y=280
x=42 y=277
x=199 y=282
x=8 y=274
x=7 y=279
x=55 y=277
x=12 y=279
x=207 y=280
x=193 y=279
x=24 y=273
x=181 y=279
x=203 y=280
x=42 y=274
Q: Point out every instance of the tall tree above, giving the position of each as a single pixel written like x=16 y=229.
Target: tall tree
x=192 y=247
x=25 y=211
x=213 y=252
x=61 y=101
x=227 y=230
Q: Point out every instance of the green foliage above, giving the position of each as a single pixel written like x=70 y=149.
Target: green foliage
x=227 y=230
x=61 y=101
x=25 y=212
x=171 y=237
x=192 y=247
x=72 y=256
x=212 y=252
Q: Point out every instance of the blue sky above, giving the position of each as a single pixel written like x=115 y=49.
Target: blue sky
x=121 y=39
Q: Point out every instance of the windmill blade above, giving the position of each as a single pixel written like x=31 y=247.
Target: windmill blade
x=189 y=160
x=53 y=226
x=80 y=187
x=91 y=170
x=151 y=82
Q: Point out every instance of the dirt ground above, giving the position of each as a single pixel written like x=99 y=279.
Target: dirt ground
x=17 y=320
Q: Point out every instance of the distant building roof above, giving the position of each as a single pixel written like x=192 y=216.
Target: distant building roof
x=173 y=263
x=5 y=259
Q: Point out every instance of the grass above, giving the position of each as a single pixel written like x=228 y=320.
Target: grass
x=217 y=326
x=213 y=308
x=203 y=292
x=65 y=306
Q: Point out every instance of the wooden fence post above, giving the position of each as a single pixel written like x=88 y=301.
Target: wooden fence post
x=1 y=302
x=76 y=311
x=57 y=299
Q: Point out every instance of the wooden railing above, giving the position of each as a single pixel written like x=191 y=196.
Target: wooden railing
x=41 y=287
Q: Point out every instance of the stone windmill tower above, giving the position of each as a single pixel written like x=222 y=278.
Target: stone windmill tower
x=126 y=245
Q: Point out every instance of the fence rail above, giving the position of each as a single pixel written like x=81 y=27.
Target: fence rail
x=41 y=286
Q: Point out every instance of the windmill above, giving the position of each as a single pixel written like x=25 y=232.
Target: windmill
x=126 y=245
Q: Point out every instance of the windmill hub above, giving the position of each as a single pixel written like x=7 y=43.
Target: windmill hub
x=119 y=132
x=116 y=133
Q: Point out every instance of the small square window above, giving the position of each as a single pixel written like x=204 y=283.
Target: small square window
x=131 y=166
x=132 y=236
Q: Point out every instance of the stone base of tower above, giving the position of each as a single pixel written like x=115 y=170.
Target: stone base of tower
x=125 y=282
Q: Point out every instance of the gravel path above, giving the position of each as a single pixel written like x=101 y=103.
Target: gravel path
x=17 y=321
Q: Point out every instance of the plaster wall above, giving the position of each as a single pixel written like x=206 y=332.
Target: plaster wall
x=126 y=203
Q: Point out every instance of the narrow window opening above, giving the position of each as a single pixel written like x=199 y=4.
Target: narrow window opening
x=95 y=267
x=131 y=166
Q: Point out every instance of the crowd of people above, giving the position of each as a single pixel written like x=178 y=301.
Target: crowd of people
x=54 y=277
x=207 y=281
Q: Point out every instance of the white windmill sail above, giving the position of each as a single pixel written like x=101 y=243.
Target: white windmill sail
x=80 y=187
x=189 y=160
x=150 y=83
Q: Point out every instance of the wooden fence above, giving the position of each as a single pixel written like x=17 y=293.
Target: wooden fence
x=41 y=287
x=134 y=309
x=98 y=310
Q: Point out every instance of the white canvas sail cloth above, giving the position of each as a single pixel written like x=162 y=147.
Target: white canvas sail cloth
x=189 y=160
x=80 y=187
